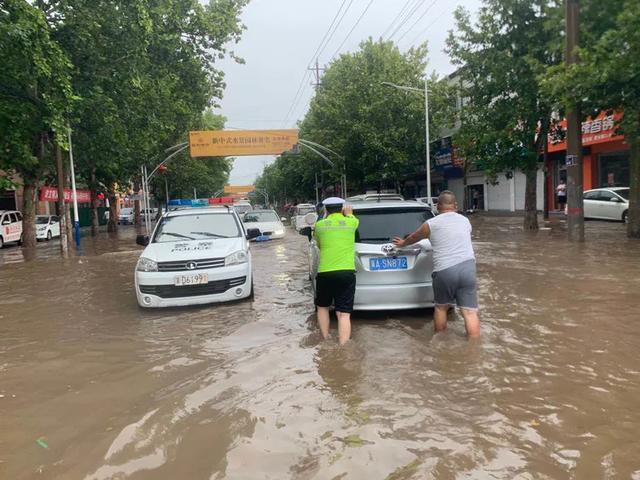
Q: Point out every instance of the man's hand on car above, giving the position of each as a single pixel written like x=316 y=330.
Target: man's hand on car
x=347 y=210
x=398 y=242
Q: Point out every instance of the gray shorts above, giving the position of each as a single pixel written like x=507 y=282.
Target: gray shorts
x=456 y=286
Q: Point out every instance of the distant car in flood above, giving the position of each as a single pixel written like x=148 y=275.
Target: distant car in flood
x=431 y=201
x=267 y=221
x=126 y=216
x=300 y=211
x=47 y=227
x=607 y=203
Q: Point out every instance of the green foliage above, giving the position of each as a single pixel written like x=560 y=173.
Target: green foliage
x=35 y=89
x=502 y=58
x=377 y=129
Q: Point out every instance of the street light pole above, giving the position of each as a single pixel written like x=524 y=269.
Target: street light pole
x=427 y=143
x=426 y=124
x=74 y=193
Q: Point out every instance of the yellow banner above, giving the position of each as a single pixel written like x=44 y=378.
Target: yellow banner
x=239 y=188
x=226 y=143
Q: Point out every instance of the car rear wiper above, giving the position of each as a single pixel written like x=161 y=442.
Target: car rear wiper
x=209 y=234
x=179 y=235
x=381 y=239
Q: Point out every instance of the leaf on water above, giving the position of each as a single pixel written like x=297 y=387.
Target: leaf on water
x=326 y=435
x=354 y=441
x=404 y=472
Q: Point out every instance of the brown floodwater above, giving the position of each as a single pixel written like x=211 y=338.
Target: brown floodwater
x=92 y=387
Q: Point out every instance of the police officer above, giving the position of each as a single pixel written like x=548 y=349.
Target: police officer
x=336 y=280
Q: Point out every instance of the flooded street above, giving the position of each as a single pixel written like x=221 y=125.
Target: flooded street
x=92 y=387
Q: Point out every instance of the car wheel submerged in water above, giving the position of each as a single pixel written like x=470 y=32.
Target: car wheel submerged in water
x=625 y=216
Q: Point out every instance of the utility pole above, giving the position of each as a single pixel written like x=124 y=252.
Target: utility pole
x=317 y=71
x=64 y=246
x=575 y=212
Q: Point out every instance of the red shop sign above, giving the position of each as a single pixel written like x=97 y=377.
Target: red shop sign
x=50 y=194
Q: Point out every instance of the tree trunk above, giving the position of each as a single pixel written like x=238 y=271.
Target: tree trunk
x=136 y=204
x=95 y=223
x=633 y=228
x=68 y=222
x=29 y=213
x=530 y=199
x=64 y=239
x=112 y=225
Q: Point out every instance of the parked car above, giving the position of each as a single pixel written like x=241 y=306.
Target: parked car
x=376 y=197
x=267 y=221
x=387 y=278
x=300 y=211
x=126 y=216
x=10 y=227
x=47 y=227
x=431 y=201
x=195 y=256
x=607 y=203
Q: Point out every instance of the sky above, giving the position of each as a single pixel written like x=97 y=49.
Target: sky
x=272 y=89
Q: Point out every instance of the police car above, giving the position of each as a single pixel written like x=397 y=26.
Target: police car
x=195 y=256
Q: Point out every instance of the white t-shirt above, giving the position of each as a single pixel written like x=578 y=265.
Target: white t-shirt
x=451 y=240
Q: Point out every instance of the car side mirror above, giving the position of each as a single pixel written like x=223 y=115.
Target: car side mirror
x=142 y=240
x=253 y=233
x=614 y=199
x=283 y=219
x=307 y=232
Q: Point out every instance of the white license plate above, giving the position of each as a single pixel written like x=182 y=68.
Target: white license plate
x=194 y=279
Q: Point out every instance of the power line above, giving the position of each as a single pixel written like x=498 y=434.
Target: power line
x=422 y=32
x=384 y=34
x=320 y=45
x=322 y=42
x=417 y=21
x=352 y=28
x=406 y=18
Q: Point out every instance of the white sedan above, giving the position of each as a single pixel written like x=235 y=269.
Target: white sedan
x=267 y=221
x=47 y=227
x=607 y=203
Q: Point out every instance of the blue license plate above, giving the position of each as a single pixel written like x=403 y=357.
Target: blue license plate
x=385 y=263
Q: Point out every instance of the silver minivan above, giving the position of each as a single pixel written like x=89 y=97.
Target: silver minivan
x=387 y=278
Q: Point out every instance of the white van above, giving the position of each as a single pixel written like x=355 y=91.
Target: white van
x=10 y=227
x=195 y=256
x=300 y=211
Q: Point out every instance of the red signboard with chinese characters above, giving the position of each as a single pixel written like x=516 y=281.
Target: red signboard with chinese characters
x=50 y=194
x=594 y=130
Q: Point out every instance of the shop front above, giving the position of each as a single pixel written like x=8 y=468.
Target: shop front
x=605 y=156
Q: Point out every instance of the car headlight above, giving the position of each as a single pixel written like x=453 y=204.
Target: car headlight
x=279 y=232
x=146 y=265
x=236 y=258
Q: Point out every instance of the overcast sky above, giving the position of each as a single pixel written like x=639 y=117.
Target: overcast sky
x=282 y=37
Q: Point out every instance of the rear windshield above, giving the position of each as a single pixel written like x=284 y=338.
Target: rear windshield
x=196 y=227
x=382 y=225
x=253 y=217
x=624 y=193
x=305 y=210
x=42 y=220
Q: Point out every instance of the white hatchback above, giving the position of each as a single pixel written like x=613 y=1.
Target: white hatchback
x=387 y=278
x=47 y=227
x=195 y=256
x=607 y=203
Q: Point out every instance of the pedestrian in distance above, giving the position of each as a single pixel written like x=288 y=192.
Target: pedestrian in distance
x=561 y=192
x=454 y=264
x=336 y=280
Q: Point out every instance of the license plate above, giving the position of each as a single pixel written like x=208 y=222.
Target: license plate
x=385 y=263
x=195 y=279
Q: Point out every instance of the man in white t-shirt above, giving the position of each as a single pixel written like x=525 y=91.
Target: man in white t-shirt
x=454 y=263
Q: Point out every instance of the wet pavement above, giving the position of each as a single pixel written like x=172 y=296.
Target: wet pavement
x=92 y=387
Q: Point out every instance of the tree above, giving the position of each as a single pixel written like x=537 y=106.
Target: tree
x=377 y=129
x=501 y=60
x=608 y=77
x=145 y=70
x=35 y=94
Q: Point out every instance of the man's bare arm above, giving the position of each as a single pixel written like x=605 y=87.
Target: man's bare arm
x=420 y=234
